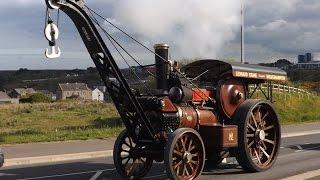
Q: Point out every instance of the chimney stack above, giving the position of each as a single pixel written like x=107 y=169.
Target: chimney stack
x=162 y=66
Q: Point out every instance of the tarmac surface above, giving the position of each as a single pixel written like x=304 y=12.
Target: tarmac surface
x=299 y=158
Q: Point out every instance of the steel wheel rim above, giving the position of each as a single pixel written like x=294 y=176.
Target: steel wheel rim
x=262 y=135
x=131 y=165
x=187 y=157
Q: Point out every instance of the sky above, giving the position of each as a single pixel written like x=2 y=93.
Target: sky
x=194 y=29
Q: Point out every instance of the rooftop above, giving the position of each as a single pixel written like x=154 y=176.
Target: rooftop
x=73 y=87
x=4 y=95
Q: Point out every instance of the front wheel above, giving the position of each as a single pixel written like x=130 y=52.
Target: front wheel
x=129 y=164
x=259 y=135
x=184 y=154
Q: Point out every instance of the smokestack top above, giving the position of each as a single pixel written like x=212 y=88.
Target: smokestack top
x=161 y=46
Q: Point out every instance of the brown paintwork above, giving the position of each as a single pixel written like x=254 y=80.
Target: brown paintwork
x=188 y=117
x=168 y=106
x=231 y=94
x=220 y=136
x=207 y=117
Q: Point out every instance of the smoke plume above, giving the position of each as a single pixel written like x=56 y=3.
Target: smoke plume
x=193 y=28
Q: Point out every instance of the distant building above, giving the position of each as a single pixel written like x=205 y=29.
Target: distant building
x=101 y=88
x=308 y=57
x=49 y=94
x=97 y=95
x=74 y=91
x=5 y=99
x=21 y=92
x=309 y=65
x=301 y=58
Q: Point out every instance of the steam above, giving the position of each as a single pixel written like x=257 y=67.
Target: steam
x=193 y=28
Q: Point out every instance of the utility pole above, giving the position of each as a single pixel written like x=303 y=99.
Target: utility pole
x=242 y=31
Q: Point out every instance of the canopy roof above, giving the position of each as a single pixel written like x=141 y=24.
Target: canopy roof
x=215 y=69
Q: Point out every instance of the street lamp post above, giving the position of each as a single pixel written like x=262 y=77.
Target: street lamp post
x=242 y=31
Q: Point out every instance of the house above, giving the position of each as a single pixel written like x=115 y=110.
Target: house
x=101 y=88
x=49 y=94
x=21 y=92
x=5 y=99
x=97 y=95
x=74 y=91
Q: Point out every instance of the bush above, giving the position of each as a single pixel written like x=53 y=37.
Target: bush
x=36 y=98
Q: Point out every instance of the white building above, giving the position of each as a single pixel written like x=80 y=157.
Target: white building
x=97 y=95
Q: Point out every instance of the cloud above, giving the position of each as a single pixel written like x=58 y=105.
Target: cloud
x=192 y=28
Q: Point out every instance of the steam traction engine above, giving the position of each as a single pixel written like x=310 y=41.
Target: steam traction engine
x=201 y=112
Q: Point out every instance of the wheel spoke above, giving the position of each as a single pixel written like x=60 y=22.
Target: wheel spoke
x=124 y=150
x=251 y=144
x=124 y=157
x=191 y=167
x=127 y=161
x=257 y=156
x=192 y=148
x=142 y=160
x=250 y=135
x=254 y=119
x=129 y=171
x=177 y=152
x=264 y=144
x=190 y=145
x=251 y=127
x=264 y=152
x=269 y=141
x=183 y=144
x=195 y=155
x=269 y=127
x=193 y=162
x=126 y=143
x=177 y=165
x=130 y=141
x=177 y=170
x=185 y=170
x=265 y=116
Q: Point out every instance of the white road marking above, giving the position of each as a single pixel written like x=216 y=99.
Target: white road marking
x=56 y=158
x=96 y=176
x=70 y=174
x=155 y=176
x=307 y=175
x=303 y=133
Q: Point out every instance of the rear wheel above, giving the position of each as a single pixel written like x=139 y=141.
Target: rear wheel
x=184 y=154
x=259 y=135
x=129 y=164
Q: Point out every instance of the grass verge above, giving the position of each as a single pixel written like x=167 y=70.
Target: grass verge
x=72 y=120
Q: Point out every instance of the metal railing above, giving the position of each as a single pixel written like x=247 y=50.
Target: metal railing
x=284 y=89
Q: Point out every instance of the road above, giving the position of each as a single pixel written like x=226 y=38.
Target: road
x=298 y=155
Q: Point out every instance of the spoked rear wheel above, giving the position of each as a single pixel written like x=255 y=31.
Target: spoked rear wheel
x=259 y=135
x=126 y=158
x=184 y=154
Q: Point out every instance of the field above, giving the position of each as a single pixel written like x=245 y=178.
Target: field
x=71 y=120
x=59 y=121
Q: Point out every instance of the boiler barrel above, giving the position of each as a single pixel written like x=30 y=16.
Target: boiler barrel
x=162 y=66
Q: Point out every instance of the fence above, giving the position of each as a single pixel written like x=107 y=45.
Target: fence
x=285 y=89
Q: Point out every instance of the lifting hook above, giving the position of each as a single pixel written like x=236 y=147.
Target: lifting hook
x=52 y=33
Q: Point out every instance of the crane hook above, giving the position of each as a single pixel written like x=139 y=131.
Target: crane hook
x=55 y=52
x=52 y=33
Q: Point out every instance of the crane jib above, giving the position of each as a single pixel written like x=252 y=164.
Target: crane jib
x=122 y=96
